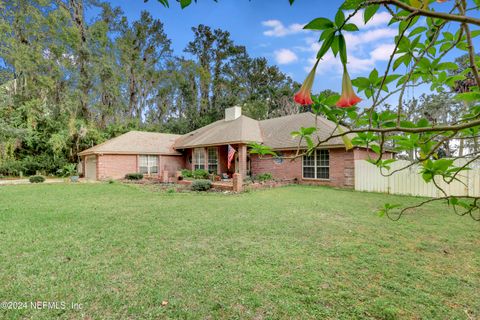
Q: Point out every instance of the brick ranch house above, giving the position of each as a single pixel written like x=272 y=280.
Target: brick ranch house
x=162 y=155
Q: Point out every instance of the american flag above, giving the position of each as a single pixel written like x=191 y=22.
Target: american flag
x=231 y=154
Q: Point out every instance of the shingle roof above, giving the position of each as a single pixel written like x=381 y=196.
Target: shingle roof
x=240 y=130
x=137 y=142
x=276 y=132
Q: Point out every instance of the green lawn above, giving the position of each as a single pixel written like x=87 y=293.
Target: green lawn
x=293 y=252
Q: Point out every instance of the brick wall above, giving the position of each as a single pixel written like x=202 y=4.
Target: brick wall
x=110 y=166
x=341 y=168
x=115 y=166
x=171 y=164
x=288 y=169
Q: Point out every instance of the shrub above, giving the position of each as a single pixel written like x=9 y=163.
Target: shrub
x=200 y=174
x=187 y=173
x=201 y=185
x=68 y=170
x=36 y=179
x=134 y=176
x=264 y=177
x=11 y=168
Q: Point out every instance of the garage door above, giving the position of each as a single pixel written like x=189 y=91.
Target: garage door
x=91 y=168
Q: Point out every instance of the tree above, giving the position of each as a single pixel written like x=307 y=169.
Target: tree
x=67 y=83
x=425 y=38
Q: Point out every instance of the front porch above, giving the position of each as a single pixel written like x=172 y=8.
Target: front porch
x=214 y=159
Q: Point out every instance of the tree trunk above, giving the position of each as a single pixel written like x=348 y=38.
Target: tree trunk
x=77 y=11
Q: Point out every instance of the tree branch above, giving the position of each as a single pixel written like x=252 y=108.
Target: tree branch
x=428 y=13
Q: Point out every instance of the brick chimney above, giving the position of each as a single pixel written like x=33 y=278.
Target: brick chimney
x=233 y=113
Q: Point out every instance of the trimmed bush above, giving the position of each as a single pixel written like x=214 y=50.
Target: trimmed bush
x=187 y=173
x=201 y=185
x=36 y=179
x=200 y=174
x=134 y=176
x=264 y=177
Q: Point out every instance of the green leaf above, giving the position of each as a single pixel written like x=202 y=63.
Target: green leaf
x=331 y=100
x=369 y=12
x=373 y=76
x=375 y=148
x=391 y=77
x=164 y=3
x=350 y=27
x=447 y=66
x=468 y=96
x=309 y=142
x=319 y=24
x=442 y=164
x=327 y=43
x=339 y=18
x=185 y=3
x=342 y=47
x=405 y=59
x=417 y=30
x=361 y=83
x=308 y=131
x=335 y=45
x=351 y=4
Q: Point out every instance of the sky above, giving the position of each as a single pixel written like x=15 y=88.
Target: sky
x=273 y=29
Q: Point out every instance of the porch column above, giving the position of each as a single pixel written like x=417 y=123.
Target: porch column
x=205 y=158
x=242 y=159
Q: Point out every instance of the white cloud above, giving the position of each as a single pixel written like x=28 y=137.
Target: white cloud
x=356 y=63
x=379 y=19
x=360 y=39
x=285 y=56
x=278 y=29
x=382 y=52
x=331 y=64
x=366 y=48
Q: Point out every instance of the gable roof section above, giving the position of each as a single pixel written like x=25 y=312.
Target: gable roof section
x=277 y=131
x=241 y=130
x=137 y=142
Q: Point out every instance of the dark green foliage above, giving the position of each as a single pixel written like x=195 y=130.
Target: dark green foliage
x=264 y=177
x=68 y=170
x=134 y=176
x=187 y=173
x=11 y=168
x=51 y=108
x=200 y=174
x=36 y=179
x=201 y=185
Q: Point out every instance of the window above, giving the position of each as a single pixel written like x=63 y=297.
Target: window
x=278 y=159
x=199 y=158
x=317 y=165
x=212 y=160
x=148 y=164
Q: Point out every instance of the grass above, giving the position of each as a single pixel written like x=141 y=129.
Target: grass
x=288 y=253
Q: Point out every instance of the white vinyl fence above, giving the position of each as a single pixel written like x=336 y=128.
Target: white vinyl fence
x=409 y=182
